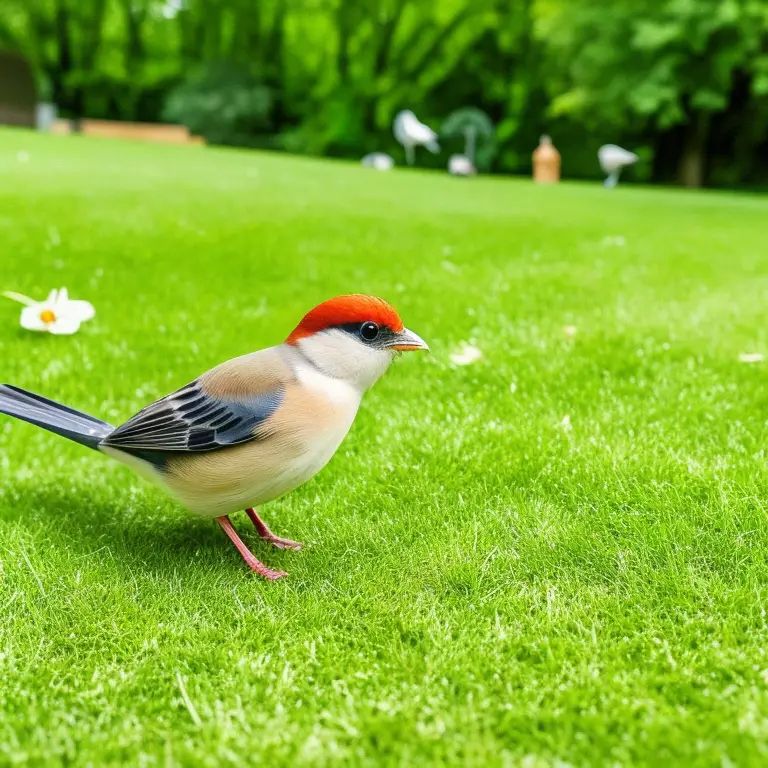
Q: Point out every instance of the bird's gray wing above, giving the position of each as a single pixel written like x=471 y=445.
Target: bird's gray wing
x=194 y=420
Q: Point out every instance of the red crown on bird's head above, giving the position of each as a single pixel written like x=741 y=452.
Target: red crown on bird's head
x=343 y=310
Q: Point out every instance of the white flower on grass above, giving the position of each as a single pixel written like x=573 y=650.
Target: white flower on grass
x=466 y=355
x=565 y=424
x=58 y=314
x=751 y=357
x=570 y=330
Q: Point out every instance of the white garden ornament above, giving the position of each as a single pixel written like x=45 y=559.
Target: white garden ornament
x=411 y=132
x=461 y=165
x=612 y=160
x=379 y=161
x=58 y=314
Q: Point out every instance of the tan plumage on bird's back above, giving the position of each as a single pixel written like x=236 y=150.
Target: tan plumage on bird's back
x=249 y=375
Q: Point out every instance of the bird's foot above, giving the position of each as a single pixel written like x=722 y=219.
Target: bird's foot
x=266 y=535
x=255 y=565
x=258 y=567
x=280 y=543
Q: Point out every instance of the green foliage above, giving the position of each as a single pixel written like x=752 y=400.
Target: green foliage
x=653 y=61
x=687 y=78
x=654 y=66
x=224 y=104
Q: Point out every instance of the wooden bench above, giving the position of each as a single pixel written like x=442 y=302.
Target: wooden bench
x=61 y=127
x=108 y=129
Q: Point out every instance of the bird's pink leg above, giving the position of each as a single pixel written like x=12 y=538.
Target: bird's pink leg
x=255 y=565
x=264 y=532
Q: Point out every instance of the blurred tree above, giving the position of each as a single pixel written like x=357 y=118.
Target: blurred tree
x=685 y=82
x=385 y=57
x=665 y=66
x=223 y=103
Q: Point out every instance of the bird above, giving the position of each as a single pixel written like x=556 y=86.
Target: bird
x=411 y=132
x=612 y=159
x=252 y=428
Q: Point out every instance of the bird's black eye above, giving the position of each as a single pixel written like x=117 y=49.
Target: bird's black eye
x=369 y=331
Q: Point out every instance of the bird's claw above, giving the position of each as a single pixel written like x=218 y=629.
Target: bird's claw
x=271 y=575
x=281 y=543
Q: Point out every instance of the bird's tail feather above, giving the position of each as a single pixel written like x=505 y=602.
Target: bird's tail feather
x=53 y=416
x=433 y=146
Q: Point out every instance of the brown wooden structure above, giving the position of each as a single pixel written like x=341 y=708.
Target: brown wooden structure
x=18 y=94
x=109 y=129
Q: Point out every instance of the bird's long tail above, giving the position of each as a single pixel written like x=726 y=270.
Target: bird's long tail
x=433 y=146
x=53 y=416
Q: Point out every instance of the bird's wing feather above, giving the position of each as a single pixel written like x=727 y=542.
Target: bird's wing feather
x=193 y=420
x=226 y=406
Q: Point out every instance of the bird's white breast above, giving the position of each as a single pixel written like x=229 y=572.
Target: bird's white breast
x=342 y=400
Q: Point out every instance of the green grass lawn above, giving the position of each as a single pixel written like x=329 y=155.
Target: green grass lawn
x=486 y=582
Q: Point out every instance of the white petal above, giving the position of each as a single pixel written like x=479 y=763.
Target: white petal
x=51 y=299
x=63 y=296
x=20 y=297
x=82 y=310
x=30 y=318
x=466 y=355
x=751 y=357
x=64 y=326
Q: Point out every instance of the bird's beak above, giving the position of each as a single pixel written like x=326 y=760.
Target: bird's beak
x=408 y=341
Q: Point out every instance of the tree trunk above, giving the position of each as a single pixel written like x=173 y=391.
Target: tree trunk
x=275 y=72
x=134 y=15
x=692 y=165
x=63 y=62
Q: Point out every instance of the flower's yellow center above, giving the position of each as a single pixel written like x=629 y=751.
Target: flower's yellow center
x=48 y=316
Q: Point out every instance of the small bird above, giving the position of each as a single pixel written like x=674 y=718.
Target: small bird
x=253 y=428
x=411 y=132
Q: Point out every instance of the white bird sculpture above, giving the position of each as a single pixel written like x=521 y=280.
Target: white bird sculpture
x=411 y=132
x=612 y=160
x=379 y=161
